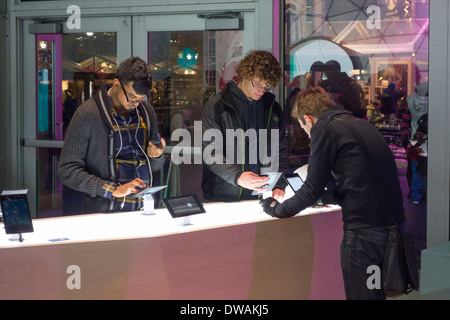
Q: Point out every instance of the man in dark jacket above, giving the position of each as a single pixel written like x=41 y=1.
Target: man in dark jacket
x=108 y=152
x=249 y=111
x=389 y=98
x=335 y=152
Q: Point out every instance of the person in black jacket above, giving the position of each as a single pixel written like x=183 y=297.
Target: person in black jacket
x=246 y=107
x=335 y=152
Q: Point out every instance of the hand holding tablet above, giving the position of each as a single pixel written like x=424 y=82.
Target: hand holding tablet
x=269 y=182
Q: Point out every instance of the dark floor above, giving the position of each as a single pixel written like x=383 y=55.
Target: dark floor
x=416 y=214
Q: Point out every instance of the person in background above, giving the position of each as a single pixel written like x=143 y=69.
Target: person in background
x=112 y=146
x=247 y=105
x=389 y=99
x=182 y=120
x=418 y=106
x=373 y=112
x=417 y=151
x=70 y=104
x=422 y=160
x=335 y=152
x=404 y=115
x=344 y=90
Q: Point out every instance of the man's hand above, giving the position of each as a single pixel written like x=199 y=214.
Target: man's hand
x=155 y=150
x=252 y=181
x=269 y=205
x=128 y=188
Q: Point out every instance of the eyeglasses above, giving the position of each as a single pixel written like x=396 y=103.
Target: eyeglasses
x=259 y=86
x=134 y=98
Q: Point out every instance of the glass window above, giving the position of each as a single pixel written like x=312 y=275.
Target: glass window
x=188 y=67
x=70 y=69
x=355 y=50
x=89 y=60
x=364 y=53
x=48 y=121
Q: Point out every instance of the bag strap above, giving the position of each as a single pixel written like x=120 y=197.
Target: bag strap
x=390 y=222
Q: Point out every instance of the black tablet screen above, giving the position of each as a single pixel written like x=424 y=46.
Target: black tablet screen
x=16 y=214
x=183 y=206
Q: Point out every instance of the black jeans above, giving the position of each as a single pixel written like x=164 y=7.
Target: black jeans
x=362 y=252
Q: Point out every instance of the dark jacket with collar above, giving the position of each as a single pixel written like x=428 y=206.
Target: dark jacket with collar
x=334 y=152
x=224 y=111
x=88 y=160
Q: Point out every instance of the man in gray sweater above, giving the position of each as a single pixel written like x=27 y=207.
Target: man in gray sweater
x=112 y=146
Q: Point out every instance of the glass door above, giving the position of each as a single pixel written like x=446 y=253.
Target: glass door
x=49 y=116
x=70 y=67
x=189 y=65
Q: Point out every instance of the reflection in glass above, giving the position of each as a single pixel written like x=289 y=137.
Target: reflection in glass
x=188 y=67
x=45 y=70
x=374 y=44
x=48 y=125
x=89 y=61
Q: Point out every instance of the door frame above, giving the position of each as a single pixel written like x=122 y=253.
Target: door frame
x=142 y=24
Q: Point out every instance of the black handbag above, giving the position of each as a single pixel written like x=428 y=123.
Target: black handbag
x=400 y=273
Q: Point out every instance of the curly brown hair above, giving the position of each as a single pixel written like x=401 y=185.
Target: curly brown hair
x=260 y=64
x=313 y=101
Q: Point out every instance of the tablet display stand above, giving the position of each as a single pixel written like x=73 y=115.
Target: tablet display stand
x=182 y=207
x=183 y=221
x=149 y=205
x=15 y=213
x=16 y=236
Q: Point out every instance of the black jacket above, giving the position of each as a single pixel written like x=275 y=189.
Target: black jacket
x=228 y=110
x=334 y=151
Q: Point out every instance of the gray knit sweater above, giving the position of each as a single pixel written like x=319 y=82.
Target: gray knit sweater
x=87 y=159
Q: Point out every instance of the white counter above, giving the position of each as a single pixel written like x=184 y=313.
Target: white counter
x=128 y=225
x=234 y=251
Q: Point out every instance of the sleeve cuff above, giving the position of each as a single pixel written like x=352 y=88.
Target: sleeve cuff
x=238 y=175
x=108 y=189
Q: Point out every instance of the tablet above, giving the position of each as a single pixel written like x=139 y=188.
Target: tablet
x=148 y=191
x=16 y=213
x=273 y=179
x=183 y=206
x=294 y=181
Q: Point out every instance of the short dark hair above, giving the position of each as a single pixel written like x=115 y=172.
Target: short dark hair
x=313 y=101
x=137 y=70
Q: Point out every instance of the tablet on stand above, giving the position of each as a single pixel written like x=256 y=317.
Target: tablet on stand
x=182 y=207
x=16 y=213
